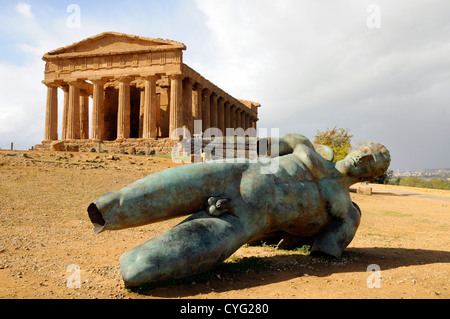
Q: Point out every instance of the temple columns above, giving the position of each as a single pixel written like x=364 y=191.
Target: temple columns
x=166 y=103
x=176 y=102
x=206 y=109
x=164 y=106
x=73 y=114
x=213 y=112
x=226 y=116
x=243 y=123
x=51 y=114
x=123 y=113
x=197 y=105
x=238 y=118
x=188 y=122
x=97 y=109
x=141 y=110
x=220 y=115
x=150 y=122
x=84 y=115
x=233 y=116
x=65 y=89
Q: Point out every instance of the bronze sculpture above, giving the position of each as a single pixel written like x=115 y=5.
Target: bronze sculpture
x=232 y=204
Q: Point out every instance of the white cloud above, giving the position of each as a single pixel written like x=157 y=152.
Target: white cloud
x=24 y=9
x=316 y=64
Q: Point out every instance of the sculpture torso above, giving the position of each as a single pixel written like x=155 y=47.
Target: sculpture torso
x=304 y=193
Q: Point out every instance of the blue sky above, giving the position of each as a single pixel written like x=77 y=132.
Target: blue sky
x=311 y=64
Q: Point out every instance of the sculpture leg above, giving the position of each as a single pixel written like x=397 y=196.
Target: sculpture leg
x=167 y=194
x=196 y=245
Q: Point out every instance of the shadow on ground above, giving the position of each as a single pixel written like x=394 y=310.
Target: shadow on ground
x=289 y=266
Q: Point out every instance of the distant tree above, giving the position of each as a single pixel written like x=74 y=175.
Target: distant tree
x=338 y=139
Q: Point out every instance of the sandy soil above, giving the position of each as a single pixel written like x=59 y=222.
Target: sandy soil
x=47 y=240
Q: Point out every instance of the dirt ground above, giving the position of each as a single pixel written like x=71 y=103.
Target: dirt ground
x=47 y=241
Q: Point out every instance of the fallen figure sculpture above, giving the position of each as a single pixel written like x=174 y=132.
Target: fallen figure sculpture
x=232 y=204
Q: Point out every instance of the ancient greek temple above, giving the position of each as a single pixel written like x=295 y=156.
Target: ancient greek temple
x=140 y=89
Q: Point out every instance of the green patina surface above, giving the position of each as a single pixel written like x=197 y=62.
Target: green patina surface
x=304 y=199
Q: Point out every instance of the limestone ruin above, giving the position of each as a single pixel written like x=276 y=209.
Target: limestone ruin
x=140 y=89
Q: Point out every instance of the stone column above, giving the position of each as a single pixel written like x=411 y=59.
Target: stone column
x=176 y=102
x=197 y=105
x=158 y=114
x=233 y=116
x=254 y=120
x=150 y=127
x=206 y=109
x=220 y=115
x=188 y=120
x=97 y=109
x=123 y=113
x=213 y=110
x=226 y=113
x=164 y=106
x=250 y=124
x=246 y=121
x=84 y=115
x=65 y=89
x=51 y=114
x=238 y=117
x=243 y=123
x=141 y=109
x=73 y=116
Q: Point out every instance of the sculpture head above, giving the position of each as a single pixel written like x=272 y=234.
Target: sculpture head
x=366 y=163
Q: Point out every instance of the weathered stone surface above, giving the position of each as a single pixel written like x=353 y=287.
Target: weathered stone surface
x=72 y=148
x=57 y=146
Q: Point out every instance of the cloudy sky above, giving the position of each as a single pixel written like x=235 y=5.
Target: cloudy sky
x=379 y=68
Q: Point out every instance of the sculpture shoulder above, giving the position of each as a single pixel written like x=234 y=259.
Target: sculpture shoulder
x=314 y=162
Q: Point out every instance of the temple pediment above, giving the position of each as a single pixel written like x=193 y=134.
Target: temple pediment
x=110 y=43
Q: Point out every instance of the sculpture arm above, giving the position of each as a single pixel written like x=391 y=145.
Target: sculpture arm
x=288 y=142
x=285 y=144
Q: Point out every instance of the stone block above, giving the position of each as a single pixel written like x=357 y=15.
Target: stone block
x=57 y=146
x=364 y=191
